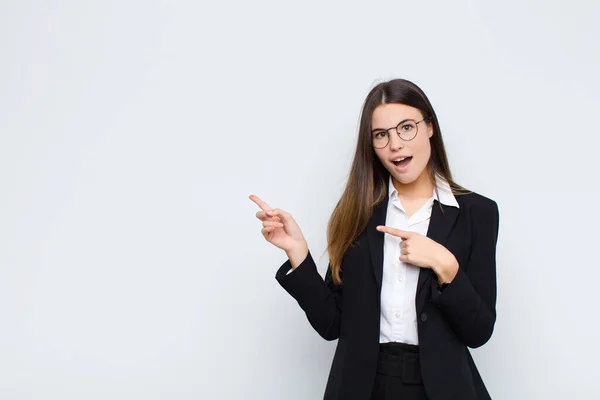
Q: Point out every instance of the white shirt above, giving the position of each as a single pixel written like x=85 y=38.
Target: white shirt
x=398 y=320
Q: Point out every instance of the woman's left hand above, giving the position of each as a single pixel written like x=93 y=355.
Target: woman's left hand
x=424 y=252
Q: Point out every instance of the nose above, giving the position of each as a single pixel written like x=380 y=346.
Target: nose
x=395 y=142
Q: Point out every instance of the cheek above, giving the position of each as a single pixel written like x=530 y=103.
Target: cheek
x=423 y=149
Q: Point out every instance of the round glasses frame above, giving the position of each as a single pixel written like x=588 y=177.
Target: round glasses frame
x=380 y=143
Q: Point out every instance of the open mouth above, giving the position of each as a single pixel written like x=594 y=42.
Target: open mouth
x=402 y=161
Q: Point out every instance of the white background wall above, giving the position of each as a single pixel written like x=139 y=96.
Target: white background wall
x=132 y=133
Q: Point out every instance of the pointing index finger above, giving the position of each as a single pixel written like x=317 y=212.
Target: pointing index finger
x=392 y=231
x=264 y=206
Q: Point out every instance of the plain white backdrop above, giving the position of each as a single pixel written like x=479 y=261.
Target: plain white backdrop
x=132 y=133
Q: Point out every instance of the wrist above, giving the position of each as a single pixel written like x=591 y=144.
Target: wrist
x=297 y=254
x=447 y=269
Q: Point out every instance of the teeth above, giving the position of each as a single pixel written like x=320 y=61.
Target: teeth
x=400 y=159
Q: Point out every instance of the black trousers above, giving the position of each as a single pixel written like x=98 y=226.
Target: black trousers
x=398 y=373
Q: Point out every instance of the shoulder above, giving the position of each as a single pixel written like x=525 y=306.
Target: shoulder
x=477 y=204
x=482 y=214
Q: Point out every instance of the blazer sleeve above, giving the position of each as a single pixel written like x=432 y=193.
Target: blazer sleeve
x=469 y=302
x=320 y=299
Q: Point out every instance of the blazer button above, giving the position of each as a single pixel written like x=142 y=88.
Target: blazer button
x=424 y=317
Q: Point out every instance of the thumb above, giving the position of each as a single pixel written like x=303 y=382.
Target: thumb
x=285 y=217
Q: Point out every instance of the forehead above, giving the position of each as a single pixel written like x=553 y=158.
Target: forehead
x=388 y=115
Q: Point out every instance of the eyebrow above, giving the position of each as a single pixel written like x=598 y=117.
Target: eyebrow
x=383 y=129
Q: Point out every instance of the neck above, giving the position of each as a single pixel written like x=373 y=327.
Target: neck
x=420 y=188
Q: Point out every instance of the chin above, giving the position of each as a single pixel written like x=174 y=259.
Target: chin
x=404 y=179
x=408 y=177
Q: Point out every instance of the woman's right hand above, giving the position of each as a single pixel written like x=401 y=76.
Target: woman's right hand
x=281 y=230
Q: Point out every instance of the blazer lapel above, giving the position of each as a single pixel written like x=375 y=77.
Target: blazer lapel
x=375 y=239
x=440 y=225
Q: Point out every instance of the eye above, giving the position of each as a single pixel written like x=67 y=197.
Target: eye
x=380 y=134
x=406 y=128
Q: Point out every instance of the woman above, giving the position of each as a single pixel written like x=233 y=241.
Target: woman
x=411 y=281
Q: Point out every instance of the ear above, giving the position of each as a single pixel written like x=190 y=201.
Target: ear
x=430 y=129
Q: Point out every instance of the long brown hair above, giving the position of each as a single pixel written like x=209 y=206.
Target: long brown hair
x=368 y=179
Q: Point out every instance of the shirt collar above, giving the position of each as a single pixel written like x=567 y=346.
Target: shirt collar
x=443 y=194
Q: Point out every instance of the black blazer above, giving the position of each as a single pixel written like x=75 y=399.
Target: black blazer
x=462 y=316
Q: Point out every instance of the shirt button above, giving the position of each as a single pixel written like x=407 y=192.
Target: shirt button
x=398 y=315
x=399 y=278
x=424 y=317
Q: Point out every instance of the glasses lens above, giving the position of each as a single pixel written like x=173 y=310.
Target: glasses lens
x=407 y=130
x=380 y=139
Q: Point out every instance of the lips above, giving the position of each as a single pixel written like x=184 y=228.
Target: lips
x=402 y=161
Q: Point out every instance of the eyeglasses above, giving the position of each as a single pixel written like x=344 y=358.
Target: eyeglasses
x=406 y=130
